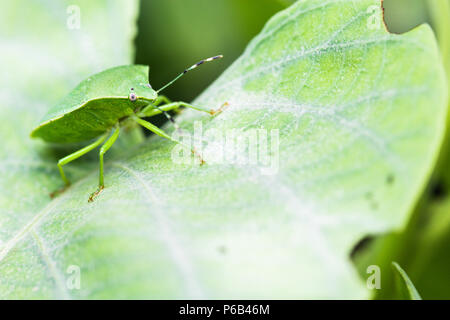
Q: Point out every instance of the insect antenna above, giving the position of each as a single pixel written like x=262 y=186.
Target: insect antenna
x=189 y=69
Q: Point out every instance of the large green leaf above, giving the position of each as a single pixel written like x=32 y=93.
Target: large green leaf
x=360 y=115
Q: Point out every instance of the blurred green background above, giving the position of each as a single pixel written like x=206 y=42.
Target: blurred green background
x=174 y=34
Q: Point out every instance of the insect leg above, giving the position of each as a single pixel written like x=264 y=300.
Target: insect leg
x=212 y=112
x=165 y=100
x=153 y=106
x=163 y=134
x=220 y=109
x=187 y=105
x=169 y=117
x=161 y=99
x=149 y=111
x=76 y=155
x=105 y=147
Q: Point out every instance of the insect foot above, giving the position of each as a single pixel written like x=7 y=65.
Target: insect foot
x=218 y=111
x=95 y=194
x=198 y=155
x=56 y=193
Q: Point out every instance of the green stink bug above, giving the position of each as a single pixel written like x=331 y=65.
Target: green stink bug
x=95 y=109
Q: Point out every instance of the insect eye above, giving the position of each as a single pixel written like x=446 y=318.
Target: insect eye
x=149 y=86
x=132 y=97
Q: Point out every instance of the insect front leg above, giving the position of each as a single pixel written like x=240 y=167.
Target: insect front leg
x=212 y=112
x=163 y=134
x=162 y=99
x=105 y=147
x=176 y=105
x=152 y=110
x=74 y=156
x=220 y=109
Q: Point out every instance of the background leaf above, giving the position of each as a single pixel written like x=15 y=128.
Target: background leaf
x=358 y=139
x=405 y=283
